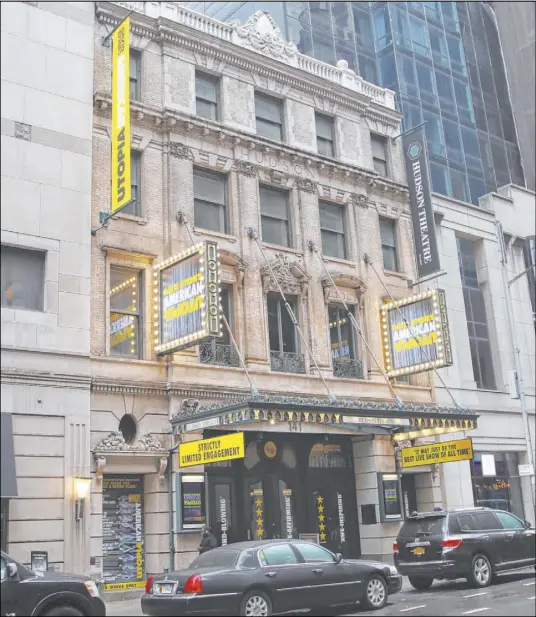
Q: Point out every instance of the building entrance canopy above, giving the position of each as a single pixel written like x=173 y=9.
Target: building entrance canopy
x=407 y=422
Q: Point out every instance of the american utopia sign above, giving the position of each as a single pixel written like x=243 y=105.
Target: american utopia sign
x=187 y=299
x=416 y=334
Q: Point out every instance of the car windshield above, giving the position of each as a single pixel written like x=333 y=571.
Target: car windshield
x=216 y=558
x=422 y=527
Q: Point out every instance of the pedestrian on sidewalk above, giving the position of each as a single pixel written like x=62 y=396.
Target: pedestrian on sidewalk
x=208 y=540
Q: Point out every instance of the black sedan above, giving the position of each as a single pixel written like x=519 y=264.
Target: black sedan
x=265 y=578
x=47 y=594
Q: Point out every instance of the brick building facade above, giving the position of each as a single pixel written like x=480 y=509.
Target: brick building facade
x=233 y=129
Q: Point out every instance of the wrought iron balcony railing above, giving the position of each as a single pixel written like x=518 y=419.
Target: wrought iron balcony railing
x=218 y=354
x=348 y=368
x=287 y=362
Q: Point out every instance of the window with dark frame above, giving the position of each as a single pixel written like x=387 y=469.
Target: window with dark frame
x=325 y=140
x=379 y=154
x=23 y=278
x=221 y=351
x=333 y=229
x=269 y=116
x=275 y=224
x=135 y=75
x=126 y=339
x=210 y=200
x=389 y=244
x=134 y=208
x=342 y=343
x=475 y=313
x=206 y=95
x=284 y=354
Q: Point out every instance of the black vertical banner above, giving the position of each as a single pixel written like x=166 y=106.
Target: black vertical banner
x=420 y=200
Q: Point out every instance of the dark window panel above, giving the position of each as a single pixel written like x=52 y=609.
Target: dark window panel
x=434 y=134
x=459 y=185
x=135 y=75
x=427 y=83
x=439 y=47
x=388 y=72
x=412 y=115
x=323 y=48
x=477 y=188
x=445 y=92
x=389 y=244
x=210 y=200
x=514 y=163
x=321 y=16
x=500 y=162
x=23 y=278
x=453 y=141
x=364 y=33
x=269 y=116
x=342 y=19
x=343 y=51
x=440 y=178
x=407 y=77
x=419 y=36
x=300 y=33
x=332 y=226
x=367 y=69
x=298 y=10
x=382 y=26
x=274 y=216
x=134 y=207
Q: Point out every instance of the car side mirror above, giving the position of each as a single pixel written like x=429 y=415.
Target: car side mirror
x=527 y=525
x=338 y=558
x=12 y=570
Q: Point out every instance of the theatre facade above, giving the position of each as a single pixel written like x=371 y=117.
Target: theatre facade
x=241 y=144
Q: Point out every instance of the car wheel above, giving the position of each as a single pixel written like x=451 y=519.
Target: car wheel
x=420 y=582
x=481 y=571
x=63 y=611
x=255 y=602
x=375 y=596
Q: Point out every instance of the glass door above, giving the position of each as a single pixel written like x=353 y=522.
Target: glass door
x=222 y=510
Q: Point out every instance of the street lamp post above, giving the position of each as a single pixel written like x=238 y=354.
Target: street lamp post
x=517 y=358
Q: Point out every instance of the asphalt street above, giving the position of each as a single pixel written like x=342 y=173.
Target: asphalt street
x=513 y=595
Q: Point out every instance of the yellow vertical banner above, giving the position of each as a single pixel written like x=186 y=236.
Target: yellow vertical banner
x=121 y=187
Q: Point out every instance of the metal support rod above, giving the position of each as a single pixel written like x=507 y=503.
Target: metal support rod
x=251 y=233
x=413 y=128
x=106 y=217
x=106 y=39
x=521 y=274
x=399 y=402
x=181 y=219
x=368 y=261
x=517 y=358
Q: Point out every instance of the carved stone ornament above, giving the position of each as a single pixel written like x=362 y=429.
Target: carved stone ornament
x=306 y=185
x=245 y=168
x=180 y=150
x=115 y=443
x=23 y=131
x=188 y=408
x=261 y=33
x=359 y=200
x=292 y=277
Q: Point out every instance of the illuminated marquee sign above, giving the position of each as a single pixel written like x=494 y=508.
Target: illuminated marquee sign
x=416 y=338
x=187 y=301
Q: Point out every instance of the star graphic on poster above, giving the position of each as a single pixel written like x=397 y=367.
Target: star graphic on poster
x=321 y=518
x=321 y=508
x=260 y=532
x=320 y=499
x=322 y=536
x=259 y=512
x=259 y=522
x=322 y=527
x=259 y=502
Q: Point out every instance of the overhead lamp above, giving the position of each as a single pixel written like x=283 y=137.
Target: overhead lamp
x=81 y=491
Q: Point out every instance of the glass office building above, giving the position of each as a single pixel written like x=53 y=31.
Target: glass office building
x=444 y=61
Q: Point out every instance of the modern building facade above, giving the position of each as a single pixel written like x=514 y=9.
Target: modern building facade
x=443 y=60
x=234 y=129
x=517 y=34
x=481 y=374
x=47 y=102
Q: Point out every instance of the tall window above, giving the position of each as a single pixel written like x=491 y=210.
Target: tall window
x=135 y=75
x=324 y=135
x=125 y=313
x=135 y=184
x=389 y=246
x=379 y=153
x=341 y=335
x=282 y=333
x=269 y=116
x=275 y=216
x=23 y=278
x=332 y=227
x=206 y=95
x=210 y=200
x=475 y=312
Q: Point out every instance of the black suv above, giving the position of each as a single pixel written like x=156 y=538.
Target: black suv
x=50 y=594
x=474 y=543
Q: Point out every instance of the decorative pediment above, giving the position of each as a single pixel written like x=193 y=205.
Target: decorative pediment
x=344 y=283
x=292 y=277
x=262 y=34
x=115 y=443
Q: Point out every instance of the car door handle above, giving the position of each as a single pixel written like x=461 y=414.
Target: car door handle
x=318 y=570
x=511 y=535
x=271 y=574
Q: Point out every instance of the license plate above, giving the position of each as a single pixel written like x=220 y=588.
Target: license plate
x=163 y=589
x=419 y=550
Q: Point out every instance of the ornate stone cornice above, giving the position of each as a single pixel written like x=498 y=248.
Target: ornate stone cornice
x=360 y=200
x=291 y=276
x=306 y=185
x=39 y=378
x=115 y=443
x=179 y=150
x=245 y=168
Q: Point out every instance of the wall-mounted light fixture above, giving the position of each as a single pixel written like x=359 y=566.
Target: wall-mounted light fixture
x=81 y=491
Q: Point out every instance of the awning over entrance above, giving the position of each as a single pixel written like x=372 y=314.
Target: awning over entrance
x=407 y=422
x=8 y=474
